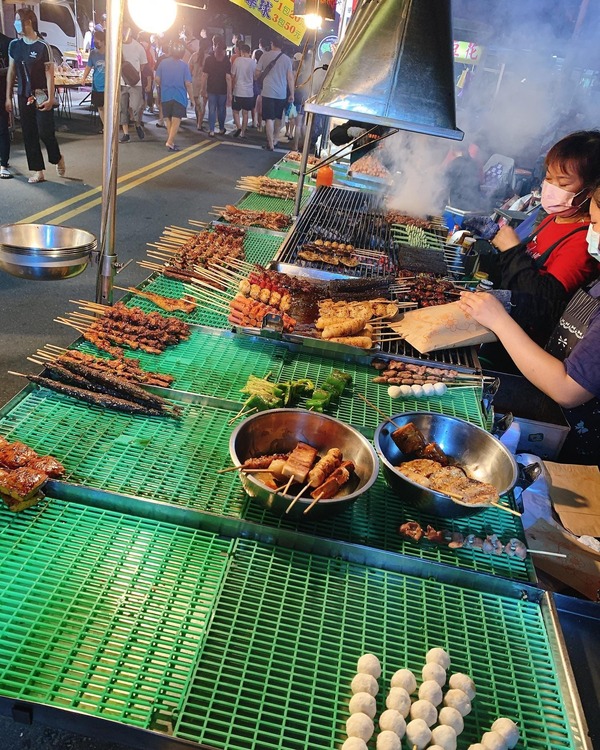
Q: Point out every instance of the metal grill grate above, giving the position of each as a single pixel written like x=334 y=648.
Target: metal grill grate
x=281 y=651
x=462 y=402
x=108 y=615
x=373 y=520
x=464 y=357
x=341 y=215
x=173 y=461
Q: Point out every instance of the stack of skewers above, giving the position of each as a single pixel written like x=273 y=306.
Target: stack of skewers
x=268 y=186
x=272 y=220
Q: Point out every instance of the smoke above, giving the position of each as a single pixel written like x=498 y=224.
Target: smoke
x=535 y=85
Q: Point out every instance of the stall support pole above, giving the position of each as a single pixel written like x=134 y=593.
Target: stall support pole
x=107 y=261
x=303 y=162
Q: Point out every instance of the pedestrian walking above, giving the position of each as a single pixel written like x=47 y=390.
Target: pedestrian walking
x=97 y=63
x=30 y=64
x=5 y=173
x=217 y=85
x=274 y=71
x=242 y=76
x=175 y=81
x=132 y=92
x=196 y=69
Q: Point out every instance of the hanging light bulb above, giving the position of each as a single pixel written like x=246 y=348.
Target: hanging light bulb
x=154 y=16
x=313 y=21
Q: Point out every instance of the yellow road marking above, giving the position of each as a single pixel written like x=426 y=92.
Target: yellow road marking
x=136 y=183
x=189 y=152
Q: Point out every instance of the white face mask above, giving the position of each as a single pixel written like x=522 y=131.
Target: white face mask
x=18 y=26
x=593 y=240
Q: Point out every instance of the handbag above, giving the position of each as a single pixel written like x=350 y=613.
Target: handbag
x=268 y=69
x=129 y=73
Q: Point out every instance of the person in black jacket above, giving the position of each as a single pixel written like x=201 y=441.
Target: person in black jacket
x=5 y=173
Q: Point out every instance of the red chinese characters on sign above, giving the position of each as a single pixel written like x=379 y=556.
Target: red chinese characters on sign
x=467 y=52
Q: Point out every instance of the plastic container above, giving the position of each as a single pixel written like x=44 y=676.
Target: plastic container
x=325 y=176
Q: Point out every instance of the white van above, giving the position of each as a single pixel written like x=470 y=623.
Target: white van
x=57 y=24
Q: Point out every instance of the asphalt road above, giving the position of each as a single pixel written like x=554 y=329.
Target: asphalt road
x=157 y=188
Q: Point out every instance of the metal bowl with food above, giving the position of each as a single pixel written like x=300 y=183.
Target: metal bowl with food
x=279 y=431
x=483 y=457
x=44 y=252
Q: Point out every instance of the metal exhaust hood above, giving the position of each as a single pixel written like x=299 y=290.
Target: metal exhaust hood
x=394 y=68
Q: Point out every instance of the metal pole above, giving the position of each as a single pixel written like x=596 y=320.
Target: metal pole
x=303 y=162
x=112 y=92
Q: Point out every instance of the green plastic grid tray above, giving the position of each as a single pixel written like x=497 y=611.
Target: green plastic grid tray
x=155 y=458
x=459 y=402
x=374 y=519
x=210 y=364
x=104 y=613
x=283 y=172
x=257 y=202
x=288 y=629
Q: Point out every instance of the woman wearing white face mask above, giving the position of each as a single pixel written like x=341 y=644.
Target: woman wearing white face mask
x=545 y=269
x=568 y=370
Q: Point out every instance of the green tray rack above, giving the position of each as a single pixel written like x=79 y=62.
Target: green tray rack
x=283 y=172
x=155 y=458
x=461 y=402
x=213 y=364
x=104 y=613
x=288 y=629
x=257 y=202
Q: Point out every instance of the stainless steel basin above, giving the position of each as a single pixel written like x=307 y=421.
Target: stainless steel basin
x=44 y=251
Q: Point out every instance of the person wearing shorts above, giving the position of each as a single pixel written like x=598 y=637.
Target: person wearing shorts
x=274 y=70
x=97 y=63
x=242 y=76
x=175 y=81
x=132 y=95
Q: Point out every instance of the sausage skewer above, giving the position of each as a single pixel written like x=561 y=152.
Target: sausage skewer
x=316 y=476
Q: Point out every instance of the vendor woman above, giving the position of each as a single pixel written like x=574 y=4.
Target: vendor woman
x=546 y=269
x=569 y=369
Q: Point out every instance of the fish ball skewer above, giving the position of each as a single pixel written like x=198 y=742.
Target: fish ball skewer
x=361 y=726
x=452 y=718
x=494 y=741
x=508 y=729
x=399 y=700
x=387 y=740
x=424 y=710
x=392 y=721
x=364 y=683
x=460 y=681
x=354 y=743
x=458 y=700
x=363 y=703
x=418 y=734
x=444 y=736
x=369 y=664
x=435 y=672
x=431 y=691
x=404 y=678
x=439 y=656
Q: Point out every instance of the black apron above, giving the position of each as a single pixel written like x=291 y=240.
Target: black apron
x=582 y=445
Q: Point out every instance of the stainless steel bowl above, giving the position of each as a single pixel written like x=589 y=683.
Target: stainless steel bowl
x=278 y=431
x=484 y=457
x=44 y=251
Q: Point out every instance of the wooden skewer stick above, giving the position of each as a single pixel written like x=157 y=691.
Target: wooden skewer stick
x=377 y=409
x=505 y=508
x=314 y=502
x=230 y=468
x=287 y=486
x=68 y=323
x=46 y=355
x=545 y=552
x=58 y=348
x=76 y=314
x=185 y=230
x=242 y=412
x=159 y=256
x=103 y=308
x=197 y=223
x=163 y=247
x=298 y=496
x=36 y=362
x=18 y=374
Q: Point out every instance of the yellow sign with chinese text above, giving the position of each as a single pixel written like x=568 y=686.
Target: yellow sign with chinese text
x=277 y=15
x=467 y=52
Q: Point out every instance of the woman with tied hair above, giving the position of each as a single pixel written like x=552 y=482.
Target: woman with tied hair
x=545 y=269
x=31 y=64
x=568 y=369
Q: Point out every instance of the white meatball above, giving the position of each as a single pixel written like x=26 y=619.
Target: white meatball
x=394 y=391
x=476 y=746
x=418 y=733
x=508 y=729
x=417 y=391
x=404 y=678
x=463 y=682
x=440 y=389
x=494 y=741
x=439 y=656
x=399 y=700
x=435 y=672
x=405 y=391
x=458 y=700
x=388 y=741
x=424 y=710
x=360 y=725
x=431 y=691
x=354 y=743
x=444 y=736
x=451 y=718
x=369 y=664
x=364 y=683
x=363 y=703
x=392 y=721
x=428 y=390
x=432 y=747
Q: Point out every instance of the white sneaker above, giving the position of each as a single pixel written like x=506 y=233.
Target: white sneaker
x=5 y=174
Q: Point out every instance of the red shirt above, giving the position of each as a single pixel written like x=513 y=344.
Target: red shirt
x=570 y=263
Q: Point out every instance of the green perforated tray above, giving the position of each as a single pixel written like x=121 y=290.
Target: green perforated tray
x=288 y=629
x=460 y=402
x=104 y=613
x=155 y=458
x=283 y=172
x=256 y=202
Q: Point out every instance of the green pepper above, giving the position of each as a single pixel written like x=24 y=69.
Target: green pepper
x=334 y=386
x=317 y=405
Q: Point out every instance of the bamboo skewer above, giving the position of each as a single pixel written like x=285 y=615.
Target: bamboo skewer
x=150 y=266
x=197 y=223
x=287 y=486
x=298 y=496
x=58 y=348
x=377 y=409
x=314 y=502
x=505 y=508
x=68 y=323
x=544 y=552
x=36 y=362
